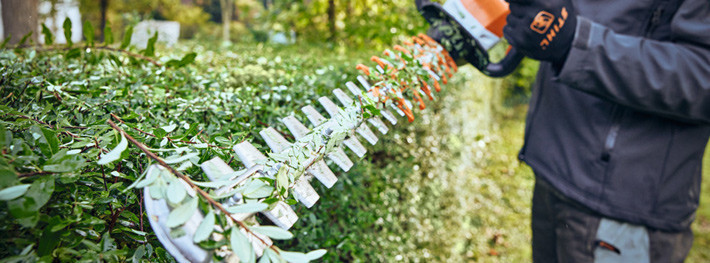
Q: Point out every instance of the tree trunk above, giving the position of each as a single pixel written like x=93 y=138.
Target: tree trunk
x=104 y=8
x=20 y=18
x=331 y=18
x=227 y=6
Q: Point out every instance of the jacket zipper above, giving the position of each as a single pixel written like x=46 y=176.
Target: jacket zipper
x=610 y=141
x=655 y=18
x=616 y=111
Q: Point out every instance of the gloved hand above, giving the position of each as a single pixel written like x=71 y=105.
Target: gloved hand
x=445 y=30
x=542 y=29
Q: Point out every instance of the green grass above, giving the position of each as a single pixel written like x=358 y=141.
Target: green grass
x=701 y=246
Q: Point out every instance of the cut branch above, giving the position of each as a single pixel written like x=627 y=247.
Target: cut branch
x=177 y=173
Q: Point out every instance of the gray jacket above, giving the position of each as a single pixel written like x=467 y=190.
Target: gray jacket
x=622 y=127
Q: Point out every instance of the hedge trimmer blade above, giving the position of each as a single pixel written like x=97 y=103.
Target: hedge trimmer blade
x=398 y=82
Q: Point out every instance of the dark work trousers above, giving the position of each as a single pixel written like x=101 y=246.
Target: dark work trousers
x=565 y=231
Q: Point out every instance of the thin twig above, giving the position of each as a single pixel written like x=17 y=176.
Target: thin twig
x=177 y=173
x=33 y=174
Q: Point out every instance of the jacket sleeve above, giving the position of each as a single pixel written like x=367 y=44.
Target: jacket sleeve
x=668 y=78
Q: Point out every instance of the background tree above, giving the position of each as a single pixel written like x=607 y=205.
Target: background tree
x=227 y=9
x=19 y=19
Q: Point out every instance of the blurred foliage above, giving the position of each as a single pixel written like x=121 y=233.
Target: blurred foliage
x=366 y=23
x=122 y=13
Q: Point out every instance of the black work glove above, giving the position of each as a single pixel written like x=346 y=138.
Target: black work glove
x=454 y=38
x=542 y=29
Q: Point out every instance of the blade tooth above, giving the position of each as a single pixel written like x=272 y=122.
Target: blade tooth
x=363 y=81
x=433 y=75
x=259 y=246
x=248 y=154
x=346 y=101
x=313 y=115
x=304 y=192
x=299 y=130
x=216 y=168
x=379 y=124
x=389 y=116
x=354 y=89
x=302 y=189
x=354 y=145
x=320 y=171
x=329 y=106
x=295 y=127
x=282 y=215
x=273 y=138
x=182 y=248
x=409 y=104
x=398 y=111
x=343 y=98
x=366 y=133
x=341 y=159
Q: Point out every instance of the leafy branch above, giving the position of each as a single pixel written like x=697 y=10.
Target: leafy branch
x=177 y=173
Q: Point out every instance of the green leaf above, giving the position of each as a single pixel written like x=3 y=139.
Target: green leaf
x=247 y=208
x=151 y=175
x=205 y=228
x=241 y=245
x=51 y=139
x=182 y=213
x=294 y=257
x=73 y=53
x=265 y=259
x=176 y=192
x=108 y=34
x=159 y=133
x=114 y=154
x=89 y=33
x=272 y=255
x=282 y=177
x=25 y=209
x=127 y=37
x=48 y=36
x=150 y=47
x=62 y=162
x=261 y=192
x=186 y=60
x=273 y=232
x=13 y=192
x=8 y=176
x=4 y=42
x=316 y=254
x=139 y=254
x=47 y=242
x=24 y=39
x=107 y=243
x=67 y=31
x=180 y=159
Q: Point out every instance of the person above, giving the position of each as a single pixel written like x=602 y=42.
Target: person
x=617 y=125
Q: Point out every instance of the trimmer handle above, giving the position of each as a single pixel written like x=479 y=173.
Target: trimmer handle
x=506 y=66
